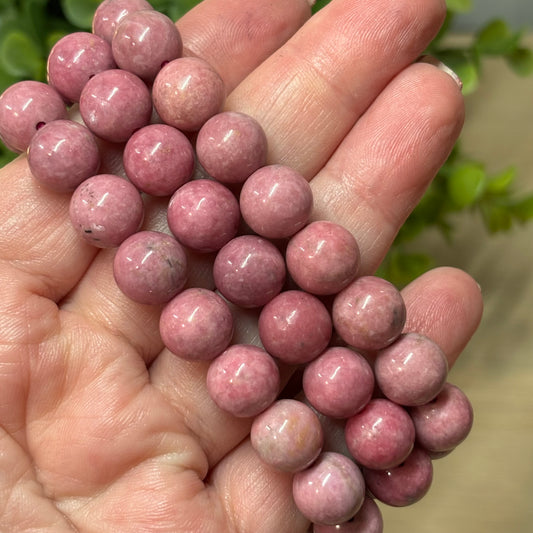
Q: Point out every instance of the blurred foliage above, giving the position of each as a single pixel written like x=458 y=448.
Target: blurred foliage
x=29 y=28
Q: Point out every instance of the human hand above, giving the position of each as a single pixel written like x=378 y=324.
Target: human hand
x=102 y=429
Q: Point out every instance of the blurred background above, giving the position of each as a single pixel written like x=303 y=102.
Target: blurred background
x=478 y=216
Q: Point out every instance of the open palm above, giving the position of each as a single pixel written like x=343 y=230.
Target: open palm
x=101 y=429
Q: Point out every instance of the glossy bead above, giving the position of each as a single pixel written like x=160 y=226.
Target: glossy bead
x=287 y=435
x=412 y=370
x=381 y=435
x=144 y=41
x=323 y=258
x=369 y=314
x=204 y=215
x=231 y=146
x=276 y=201
x=249 y=271
x=330 y=491
x=158 y=159
x=244 y=380
x=26 y=106
x=197 y=324
x=187 y=92
x=367 y=520
x=405 y=484
x=75 y=59
x=106 y=105
x=150 y=267
x=106 y=209
x=295 y=327
x=62 y=154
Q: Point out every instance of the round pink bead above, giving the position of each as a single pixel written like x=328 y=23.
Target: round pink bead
x=367 y=520
x=106 y=209
x=330 y=491
x=144 y=41
x=405 y=484
x=106 y=104
x=25 y=106
x=369 y=314
x=76 y=58
x=110 y=13
x=231 y=146
x=295 y=327
x=187 y=92
x=443 y=423
x=197 y=324
x=203 y=215
x=158 y=159
x=381 y=435
x=276 y=201
x=62 y=154
x=339 y=382
x=244 y=380
x=323 y=257
x=287 y=435
x=150 y=267
x=412 y=370
x=249 y=271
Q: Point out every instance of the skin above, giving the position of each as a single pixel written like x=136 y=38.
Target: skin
x=103 y=430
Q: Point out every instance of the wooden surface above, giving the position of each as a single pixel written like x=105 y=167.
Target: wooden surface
x=486 y=485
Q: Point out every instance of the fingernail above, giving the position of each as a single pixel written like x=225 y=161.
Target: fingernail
x=311 y=2
x=441 y=66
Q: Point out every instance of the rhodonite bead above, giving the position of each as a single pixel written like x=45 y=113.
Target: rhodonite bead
x=412 y=370
x=144 y=41
x=231 y=146
x=150 y=267
x=367 y=520
x=62 y=154
x=158 y=159
x=106 y=104
x=244 y=380
x=197 y=324
x=330 y=491
x=106 y=209
x=249 y=271
x=323 y=258
x=76 y=58
x=203 y=215
x=187 y=92
x=26 y=106
x=288 y=435
x=276 y=201
x=369 y=314
x=295 y=327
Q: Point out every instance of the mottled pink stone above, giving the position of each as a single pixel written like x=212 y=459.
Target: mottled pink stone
x=381 y=435
x=276 y=201
x=412 y=370
x=444 y=422
x=144 y=41
x=323 y=258
x=25 y=106
x=197 y=324
x=405 y=484
x=106 y=104
x=288 y=435
x=249 y=271
x=244 y=380
x=204 y=215
x=76 y=58
x=231 y=146
x=106 y=209
x=339 y=382
x=369 y=313
x=330 y=491
x=367 y=520
x=187 y=92
x=295 y=327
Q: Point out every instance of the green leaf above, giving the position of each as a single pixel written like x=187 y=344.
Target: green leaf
x=497 y=218
x=80 y=12
x=464 y=65
x=20 y=55
x=466 y=184
x=499 y=183
x=401 y=267
x=522 y=210
x=459 y=6
x=497 y=38
x=521 y=61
